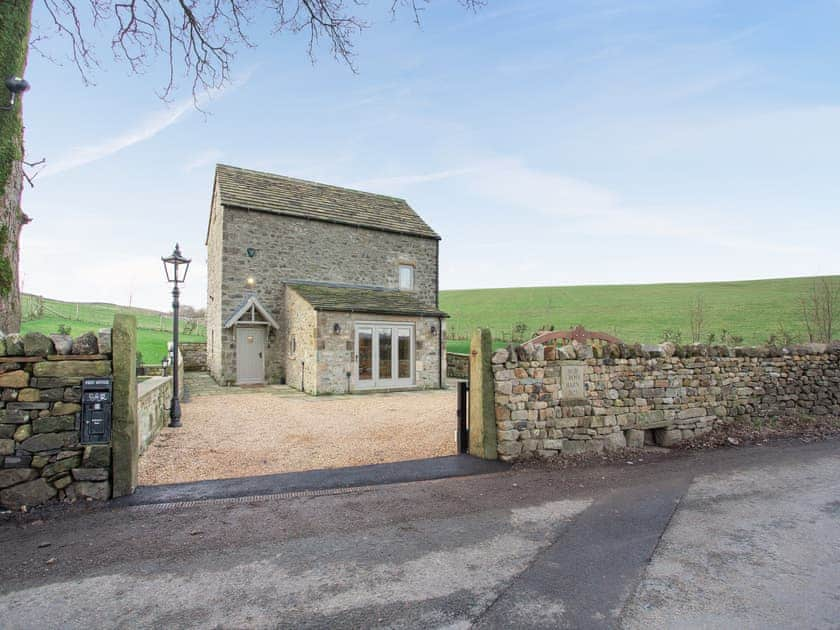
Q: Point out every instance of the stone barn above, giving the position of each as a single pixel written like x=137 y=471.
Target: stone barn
x=327 y=289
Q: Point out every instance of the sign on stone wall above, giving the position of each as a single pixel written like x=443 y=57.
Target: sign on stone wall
x=571 y=381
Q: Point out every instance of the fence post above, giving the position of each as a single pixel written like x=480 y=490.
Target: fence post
x=125 y=442
x=482 y=409
x=462 y=432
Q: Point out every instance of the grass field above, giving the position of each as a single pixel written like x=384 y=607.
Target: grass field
x=154 y=329
x=754 y=310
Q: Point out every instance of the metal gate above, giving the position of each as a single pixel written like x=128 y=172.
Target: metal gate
x=462 y=431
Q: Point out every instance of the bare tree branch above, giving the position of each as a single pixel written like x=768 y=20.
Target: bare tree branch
x=415 y=7
x=200 y=38
x=29 y=178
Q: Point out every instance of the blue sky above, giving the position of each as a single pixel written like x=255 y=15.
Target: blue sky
x=548 y=142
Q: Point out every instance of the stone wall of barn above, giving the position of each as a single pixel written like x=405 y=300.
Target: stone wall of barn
x=336 y=351
x=301 y=366
x=580 y=398
x=286 y=249
x=214 y=313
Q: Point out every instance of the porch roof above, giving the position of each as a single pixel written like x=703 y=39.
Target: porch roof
x=250 y=305
x=330 y=297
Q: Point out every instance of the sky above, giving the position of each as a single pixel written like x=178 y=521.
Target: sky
x=548 y=142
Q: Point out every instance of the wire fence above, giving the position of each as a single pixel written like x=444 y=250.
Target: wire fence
x=35 y=307
x=517 y=333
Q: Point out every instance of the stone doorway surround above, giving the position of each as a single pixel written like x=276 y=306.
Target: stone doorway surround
x=252 y=323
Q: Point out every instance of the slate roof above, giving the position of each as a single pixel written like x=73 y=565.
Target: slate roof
x=277 y=194
x=330 y=297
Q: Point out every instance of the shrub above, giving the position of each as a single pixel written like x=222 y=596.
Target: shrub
x=672 y=335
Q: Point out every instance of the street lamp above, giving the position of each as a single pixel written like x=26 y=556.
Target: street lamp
x=176 y=267
x=16 y=86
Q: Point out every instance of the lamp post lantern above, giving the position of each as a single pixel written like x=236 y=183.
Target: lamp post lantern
x=16 y=86
x=176 y=267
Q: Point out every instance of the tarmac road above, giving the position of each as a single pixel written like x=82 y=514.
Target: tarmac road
x=730 y=538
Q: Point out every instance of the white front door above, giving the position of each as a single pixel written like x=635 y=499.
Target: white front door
x=384 y=355
x=250 y=348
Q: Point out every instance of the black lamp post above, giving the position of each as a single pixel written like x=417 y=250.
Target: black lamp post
x=176 y=267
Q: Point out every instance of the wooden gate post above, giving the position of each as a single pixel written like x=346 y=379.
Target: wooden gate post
x=482 y=410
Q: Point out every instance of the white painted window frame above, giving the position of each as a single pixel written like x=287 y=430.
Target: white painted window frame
x=376 y=382
x=413 y=271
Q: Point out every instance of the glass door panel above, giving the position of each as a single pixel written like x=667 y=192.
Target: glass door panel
x=384 y=355
x=403 y=353
x=385 y=351
x=365 y=358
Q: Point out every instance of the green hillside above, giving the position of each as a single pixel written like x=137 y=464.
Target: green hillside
x=753 y=310
x=154 y=329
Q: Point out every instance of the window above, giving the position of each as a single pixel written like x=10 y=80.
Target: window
x=406 y=277
x=292 y=346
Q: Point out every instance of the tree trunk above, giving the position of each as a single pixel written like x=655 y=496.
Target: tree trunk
x=15 y=20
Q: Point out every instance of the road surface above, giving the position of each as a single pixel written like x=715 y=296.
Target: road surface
x=720 y=539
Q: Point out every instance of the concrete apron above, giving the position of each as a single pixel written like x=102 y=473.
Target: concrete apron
x=314 y=480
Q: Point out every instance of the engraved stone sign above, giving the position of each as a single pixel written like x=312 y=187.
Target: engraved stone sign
x=571 y=381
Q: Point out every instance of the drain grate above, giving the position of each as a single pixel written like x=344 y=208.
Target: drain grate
x=162 y=507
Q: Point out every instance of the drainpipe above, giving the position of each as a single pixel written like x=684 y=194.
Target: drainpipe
x=441 y=347
x=441 y=350
x=302 y=373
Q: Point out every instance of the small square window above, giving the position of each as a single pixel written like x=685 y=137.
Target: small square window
x=406 y=278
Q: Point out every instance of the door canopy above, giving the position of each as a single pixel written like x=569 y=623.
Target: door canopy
x=251 y=311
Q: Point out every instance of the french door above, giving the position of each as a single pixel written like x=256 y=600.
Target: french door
x=384 y=355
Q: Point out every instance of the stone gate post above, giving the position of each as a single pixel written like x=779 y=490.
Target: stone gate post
x=124 y=439
x=482 y=410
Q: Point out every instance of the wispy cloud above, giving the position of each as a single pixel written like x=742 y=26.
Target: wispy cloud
x=145 y=130
x=397 y=181
x=579 y=206
x=203 y=158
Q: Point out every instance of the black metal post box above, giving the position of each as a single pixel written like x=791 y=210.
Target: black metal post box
x=96 y=410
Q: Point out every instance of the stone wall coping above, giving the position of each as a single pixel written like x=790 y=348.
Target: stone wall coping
x=77 y=357
x=537 y=353
x=55 y=357
x=149 y=385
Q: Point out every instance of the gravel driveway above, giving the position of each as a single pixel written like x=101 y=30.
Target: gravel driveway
x=259 y=432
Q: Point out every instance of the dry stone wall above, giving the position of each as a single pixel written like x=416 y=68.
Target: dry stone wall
x=580 y=398
x=40 y=395
x=457 y=365
x=154 y=397
x=194 y=356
